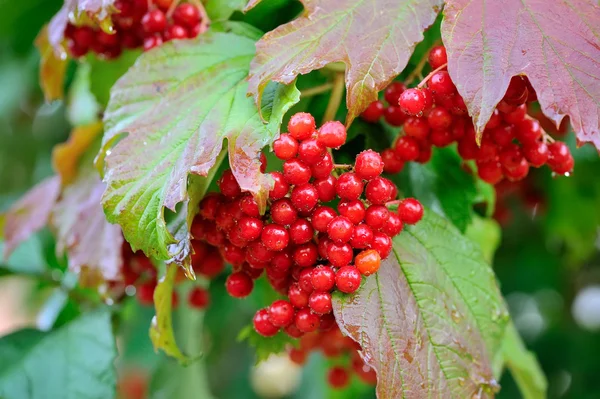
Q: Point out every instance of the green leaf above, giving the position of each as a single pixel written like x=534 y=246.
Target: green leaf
x=177 y=104
x=220 y=10
x=523 y=366
x=104 y=74
x=265 y=346
x=74 y=361
x=432 y=319
x=444 y=186
x=82 y=108
x=486 y=233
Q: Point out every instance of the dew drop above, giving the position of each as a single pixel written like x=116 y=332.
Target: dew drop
x=461 y=381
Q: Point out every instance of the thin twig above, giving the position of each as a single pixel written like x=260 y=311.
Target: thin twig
x=424 y=81
x=314 y=91
x=418 y=71
x=342 y=166
x=335 y=100
x=171 y=9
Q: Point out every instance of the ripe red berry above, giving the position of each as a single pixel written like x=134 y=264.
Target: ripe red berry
x=348 y=279
x=503 y=135
x=198 y=298
x=296 y=172
x=321 y=218
x=249 y=206
x=154 y=21
x=250 y=228
x=339 y=254
x=354 y=210
x=417 y=128
x=152 y=41
x=374 y=112
x=320 y=302
x=441 y=84
x=495 y=120
x=306 y=321
x=560 y=159
x=232 y=254
x=323 y=168
x=298 y=298
x=516 y=93
x=275 y=237
x=529 y=131
x=437 y=57
x=281 y=313
x=490 y=171
x=311 y=151
x=285 y=147
x=349 y=186
x=187 y=15
x=175 y=32
x=410 y=210
x=517 y=171
x=516 y=116
x=376 y=216
x=263 y=325
x=239 y=285
x=439 y=118
x=332 y=134
x=228 y=185
x=340 y=229
x=393 y=226
x=391 y=163
x=412 y=102
x=362 y=236
x=407 y=148
x=367 y=262
x=283 y=212
x=301 y=231
x=305 y=197
x=441 y=138
x=368 y=165
x=338 y=377
x=392 y=92
x=536 y=153
x=323 y=278
x=382 y=243
x=511 y=157
x=301 y=125
x=306 y=255
x=280 y=188
x=145 y=293
x=326 y=188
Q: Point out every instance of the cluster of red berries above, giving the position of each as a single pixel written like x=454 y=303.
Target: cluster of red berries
x=434 y=114
x=136 y=25
x=139 y=272
x=305 y=247
x=334 y=345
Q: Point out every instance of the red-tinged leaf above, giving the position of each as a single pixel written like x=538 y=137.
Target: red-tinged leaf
x=91 y=243
x=52 y=67
x=556 y=44
x=177 y=104
x=373 y=38
x=30 y=213
x=66 y=156
x=432 y=319
x=91 y=11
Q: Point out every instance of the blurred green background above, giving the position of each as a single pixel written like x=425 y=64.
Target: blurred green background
x=547 y=262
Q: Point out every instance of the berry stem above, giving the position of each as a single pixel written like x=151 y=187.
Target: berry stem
x=424 y=81
x=342 y=166
x=171 y=9
x=335 y=100
x=314 y=91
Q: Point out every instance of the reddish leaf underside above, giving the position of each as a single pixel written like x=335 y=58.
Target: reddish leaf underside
x=30 y=213
x=555 y=43
x=374 y=38
x=431 y=319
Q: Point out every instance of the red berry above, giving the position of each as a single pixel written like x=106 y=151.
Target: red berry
x=394 y=115
x=348 y=279
x=441 y=138
x=517 y=171
x=301 y=125
x=152 y=41
x=439 y=118
x=305 y=197
x=339 y=254
x=362 y=237
x=410 y=210
x=285 y=147
x=249 y=206
x=306 y=321
x=283 y=212
x=198 y=298
x=186 y=14
x=340 y=229
x=392 y=92
x=311 y=151
x=263 y=325
x=407 y=148
x=516 y=94
x=275 y=237
x=323 y=245
x=281 y=313
x=258 y=251
x=488 y=150
x=239 y=285
x=536 y=153
x=503 y=135
x=250 y=228
x=516 y=116
x=376 y=216
x=154 y=21
x=393 y=226
x=368 y=165
x=323 y=168
x=228 y=185
x=326 y=188
x=437 y=57
x=382 y=243
x=145 y=293
x=296 y=172
x=349 y=186
x=412 y=102
x=280 y=188
x=234 y=255
x=391 y=163
x=511 y=157
x=417 y=128
x=301 y=231
x=441 y=84
x=323 y=278
x=298 y=298
x=305 y=255
x=338 y=377
x=467 y=148
x=321 y=218
x=176 y=32
x=490 y=171
x=332 y=134
x=367 y=262
x=495 y=120
x=320 y=302
x=529 y=131
x=354 y=210
x=295 y=354
x=374 y=112
x=209 y=205
x=560 y=159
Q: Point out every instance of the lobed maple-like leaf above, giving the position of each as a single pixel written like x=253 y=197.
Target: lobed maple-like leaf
x=177 y=104
x=556 y=44
x=374 y=38
x=432 y=319
x=30 y=214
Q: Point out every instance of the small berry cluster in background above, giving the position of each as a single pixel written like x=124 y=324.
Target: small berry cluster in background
x=137 y=25
x=434 y=114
